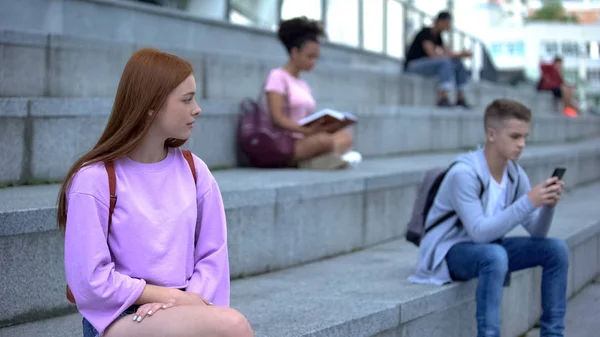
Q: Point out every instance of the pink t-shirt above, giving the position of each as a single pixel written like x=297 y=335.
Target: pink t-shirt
x=165 y=231
x=301 y=101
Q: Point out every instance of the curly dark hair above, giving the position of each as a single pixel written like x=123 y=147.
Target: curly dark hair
x=297 y=31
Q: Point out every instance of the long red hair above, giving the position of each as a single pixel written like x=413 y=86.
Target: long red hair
x=148 y=78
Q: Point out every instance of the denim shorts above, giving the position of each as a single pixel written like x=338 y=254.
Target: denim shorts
x=89 y=331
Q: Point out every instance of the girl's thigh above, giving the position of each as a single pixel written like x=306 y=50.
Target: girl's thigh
x=184 y=321
x=313 y=145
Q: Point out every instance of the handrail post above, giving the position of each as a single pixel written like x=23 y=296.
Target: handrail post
x=476 y=62
x=405 y=25
x=227 y=11
x=361 y=24
x=450 y=5
x=324 y=11
x=385 y=27
x=279 y=10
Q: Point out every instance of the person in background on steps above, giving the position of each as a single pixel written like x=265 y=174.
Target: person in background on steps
x=316 y=147
x=428 y=56
x=491 y=195
x=157 y=265
x=552 y=80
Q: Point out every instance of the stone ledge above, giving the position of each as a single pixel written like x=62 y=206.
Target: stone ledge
x=255 y=187
x=297 y=216
x=14 y=107
x=366 y=293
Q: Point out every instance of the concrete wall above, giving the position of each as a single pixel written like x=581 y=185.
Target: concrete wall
x=44 y=137
x=59 y=65
x=132 y=22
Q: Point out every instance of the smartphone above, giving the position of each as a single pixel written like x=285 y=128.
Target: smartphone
x=559 y=172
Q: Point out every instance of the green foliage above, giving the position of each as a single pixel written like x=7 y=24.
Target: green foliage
x=552 y=10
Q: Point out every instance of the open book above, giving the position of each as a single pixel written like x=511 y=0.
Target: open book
x=328 y=116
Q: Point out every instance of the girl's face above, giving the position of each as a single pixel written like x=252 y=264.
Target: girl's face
x=176 y=118
x=306 y=56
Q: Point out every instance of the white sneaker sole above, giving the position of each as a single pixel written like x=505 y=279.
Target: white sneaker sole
x=328 y=161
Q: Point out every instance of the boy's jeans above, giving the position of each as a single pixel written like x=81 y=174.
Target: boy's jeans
x=490 y=262
x=448 y=70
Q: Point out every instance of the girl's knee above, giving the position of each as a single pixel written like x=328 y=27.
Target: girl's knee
x=235 y=325
x=325 y=142
x=344 y=137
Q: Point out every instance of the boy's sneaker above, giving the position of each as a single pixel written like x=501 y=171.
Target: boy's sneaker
x=444 y=102
x=463 y=103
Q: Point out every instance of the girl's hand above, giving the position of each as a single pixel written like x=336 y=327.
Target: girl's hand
x=188 y=298
x=314 y=128
x=149 y=309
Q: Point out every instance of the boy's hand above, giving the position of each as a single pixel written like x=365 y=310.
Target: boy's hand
x=546 y=193
x=561 y=185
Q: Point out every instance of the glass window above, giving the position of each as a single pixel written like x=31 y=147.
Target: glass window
x=342 y=21
x=496 y=49
x=373 y=25
x=520 y=49
x=204 y=9
x=258 y=13
x=414 y=24
x=515 y=49
x=550 y=48
x=395 y=29
x=309 y=8
x=238 y=18
x=594 y=76
x=570 y=49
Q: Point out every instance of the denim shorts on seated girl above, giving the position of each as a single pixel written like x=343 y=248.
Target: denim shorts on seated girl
x=89 y=331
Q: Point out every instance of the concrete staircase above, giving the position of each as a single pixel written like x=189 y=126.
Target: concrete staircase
x=283 y=284
x=311 y=253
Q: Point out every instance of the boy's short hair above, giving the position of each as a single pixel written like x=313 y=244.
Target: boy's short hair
x=502 y=109
x=444 y=15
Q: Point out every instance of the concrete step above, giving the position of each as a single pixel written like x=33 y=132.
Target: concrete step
x=58 y=65
x=61 y=65
x=136 y=23
x=582 y=318
x=366 y=293
x=286 y=210
x=41 y=137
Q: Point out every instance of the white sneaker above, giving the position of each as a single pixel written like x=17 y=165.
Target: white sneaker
x=327 y=161
x=353 y=158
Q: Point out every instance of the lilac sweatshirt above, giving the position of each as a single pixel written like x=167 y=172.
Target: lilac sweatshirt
x=165 y=231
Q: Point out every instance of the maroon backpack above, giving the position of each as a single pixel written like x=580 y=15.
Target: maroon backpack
x=263 y=143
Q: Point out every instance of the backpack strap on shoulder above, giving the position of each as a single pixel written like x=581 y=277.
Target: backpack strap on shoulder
x=187 y=154
x=453 y=213
x=112 y=187
x=518 y=180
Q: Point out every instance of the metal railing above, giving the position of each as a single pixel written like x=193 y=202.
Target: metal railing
x=353 y=16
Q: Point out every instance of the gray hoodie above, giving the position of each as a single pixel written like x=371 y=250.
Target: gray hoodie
x=460 y=191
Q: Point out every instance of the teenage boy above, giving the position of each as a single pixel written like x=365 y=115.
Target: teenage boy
x=491 y=195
